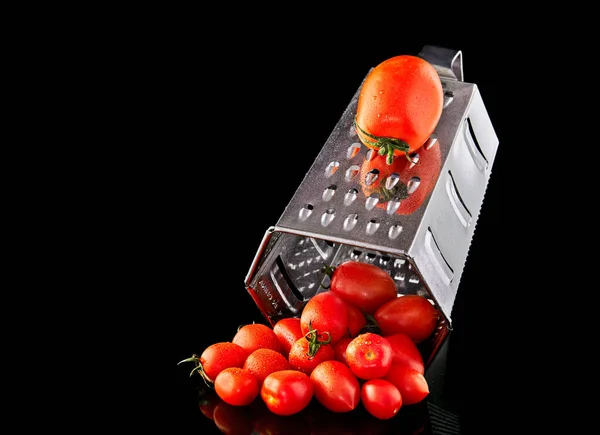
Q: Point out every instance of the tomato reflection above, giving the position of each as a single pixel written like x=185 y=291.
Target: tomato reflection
x=315 y=419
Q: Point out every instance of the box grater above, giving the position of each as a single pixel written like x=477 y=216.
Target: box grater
x=330 y=220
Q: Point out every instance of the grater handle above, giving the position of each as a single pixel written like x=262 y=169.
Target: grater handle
x=446 y=61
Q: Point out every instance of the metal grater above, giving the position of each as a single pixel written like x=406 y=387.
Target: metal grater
x=329 y=219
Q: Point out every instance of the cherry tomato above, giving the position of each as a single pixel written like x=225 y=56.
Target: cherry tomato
x=217 y=357
x=256 y=336
x=405 y=351
x=339 y=349
x=412 y=315
x=310 y=351
x=412 y=385
x=381 y=398
x=287 y=392
x=414 y=185
x=399 y=105
x=236 y=386
x=364 y=285
x=234 y=420
x=263 y=362
x=288 y=331
x=327 y=313
x=369 y=356
x=335 y=386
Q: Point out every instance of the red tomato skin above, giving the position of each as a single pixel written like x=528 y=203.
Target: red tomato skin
x=263 y=362
x=427 y=169
x=412 y=315
x=220 y=356
x=288 y=331
x=369 y=356
x=335 y=386
x=300 y=360
x=356 y=320
x=236 y=386
x=287 y=392
x=405 y=351
x=412 y=385
x=256 y=336
x=381 y=398
x=363 y=285
x=326 y=312
x=340 y=349
x=402 y=97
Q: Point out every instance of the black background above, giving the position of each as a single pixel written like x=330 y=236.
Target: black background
x=224 y=133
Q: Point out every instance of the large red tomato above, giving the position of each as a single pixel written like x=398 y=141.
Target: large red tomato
x=369 y=356
x=399 y=105
x=412 y=188
x=236 y=386
x=309 y=352
x=217 y=357
x=287 y=392
x=405 y=351
x=262 y=362
x=363 y=285
x=381 y=398
x=288 y=331
x=256 y=336
x=327 y=313
x=412 y=385
x=412 y=315
x=335 y=386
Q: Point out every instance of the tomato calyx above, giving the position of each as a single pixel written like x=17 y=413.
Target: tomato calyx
x=312 y=336
x=327 y=270
x=198 y=369
x=385 y=145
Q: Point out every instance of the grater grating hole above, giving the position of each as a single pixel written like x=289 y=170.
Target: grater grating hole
x=370 y=154
x=392 y=180
x=370 y=257
x=327 y=216
x=384 y=260
x=415 y=160
x=350 y=221
x=353 y=150
x=305 y=212
x=329 y=192
x=399 y=276
x=352 y=172
x=448 y=97
x=372 y=226
x=412 y=185
x=394 y=231
x=332 y=168
x=433 y=140
x=372 y=176
x=414 y=279
x=350 y=196
x=372 y=201
x=355 y=254
x=352 y=132
x=393 y=205
x=399 y=262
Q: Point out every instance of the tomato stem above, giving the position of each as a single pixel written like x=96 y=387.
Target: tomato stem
x=313 y=340
x=198 y=369
x=386 y=145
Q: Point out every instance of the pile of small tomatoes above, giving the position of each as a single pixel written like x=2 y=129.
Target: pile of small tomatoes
x=354 y=342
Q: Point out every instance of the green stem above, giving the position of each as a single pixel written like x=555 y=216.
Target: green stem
x=198 y=369
x=386 y=145
x=313 y=340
